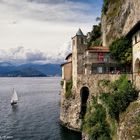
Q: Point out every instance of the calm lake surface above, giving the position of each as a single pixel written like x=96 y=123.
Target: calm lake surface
x=36 y=117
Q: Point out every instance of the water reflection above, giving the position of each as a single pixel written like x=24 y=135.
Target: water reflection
x=36 y=115
x=67 y=134
x=14 y=108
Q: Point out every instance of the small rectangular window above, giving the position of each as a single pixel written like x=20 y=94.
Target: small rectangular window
x=82 y=40
x=94 y=69
x=85 y=71
x=101 y=57
x=100 y=69
x=135 y=39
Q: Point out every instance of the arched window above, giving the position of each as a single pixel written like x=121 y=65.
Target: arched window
x=137 y=66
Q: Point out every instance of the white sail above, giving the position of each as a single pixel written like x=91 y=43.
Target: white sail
x=14 y=97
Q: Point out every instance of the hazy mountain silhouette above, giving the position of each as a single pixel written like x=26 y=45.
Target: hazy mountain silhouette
x=29 y=70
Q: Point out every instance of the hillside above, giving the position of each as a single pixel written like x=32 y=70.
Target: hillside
x=25 y=72
x=29 y=70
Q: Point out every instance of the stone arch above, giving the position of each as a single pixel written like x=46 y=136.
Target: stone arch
x=137 y=65
x=84 y=94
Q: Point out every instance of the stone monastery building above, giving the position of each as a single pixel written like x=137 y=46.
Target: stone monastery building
x=83 y=70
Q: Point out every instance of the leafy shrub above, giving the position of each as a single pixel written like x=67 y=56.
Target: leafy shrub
x=97 y=42
x=121 y=50
x=62 y=83
x=95 y=123
x=105 y=6
x=95 y=35
x=123 y=93
x=118 y=98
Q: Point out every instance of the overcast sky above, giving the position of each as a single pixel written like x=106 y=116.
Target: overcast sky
x=41 y=30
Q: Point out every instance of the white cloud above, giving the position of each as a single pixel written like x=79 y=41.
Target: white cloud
x=60 y=12
x=41 y=26
x=23 y=55
x=65 y=50
x=35 y=56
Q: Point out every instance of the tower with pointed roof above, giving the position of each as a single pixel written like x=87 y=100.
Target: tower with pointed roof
x=87 y=66
x=78 y=49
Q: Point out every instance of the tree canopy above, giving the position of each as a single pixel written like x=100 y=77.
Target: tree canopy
x=121 y=50
x=121 y=94
x=95 y=36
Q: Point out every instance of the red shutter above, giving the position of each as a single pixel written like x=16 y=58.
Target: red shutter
x=101 y=57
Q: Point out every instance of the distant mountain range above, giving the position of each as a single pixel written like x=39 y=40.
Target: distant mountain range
x=29 y=70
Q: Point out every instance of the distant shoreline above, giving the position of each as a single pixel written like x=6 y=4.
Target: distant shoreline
x=27 y=76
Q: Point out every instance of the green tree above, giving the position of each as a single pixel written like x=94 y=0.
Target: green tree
x=123 y=93
x=105 y=6
x=95 y=35
x=95 y=123
x=121 y=50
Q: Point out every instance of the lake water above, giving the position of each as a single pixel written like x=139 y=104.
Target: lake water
x=36 y=117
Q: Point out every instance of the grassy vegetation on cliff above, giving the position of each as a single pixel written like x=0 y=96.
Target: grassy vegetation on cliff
x=122 y=94
x=130 y=122
x=62 y=83
x=95 y=123
x=112 y=7
x=100 y=119
x=105 y=6
x=137 y=133
x=95 y=36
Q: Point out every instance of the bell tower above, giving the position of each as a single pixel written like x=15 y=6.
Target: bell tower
x=78 y=49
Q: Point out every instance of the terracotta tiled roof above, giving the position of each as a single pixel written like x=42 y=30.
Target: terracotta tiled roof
x=70 y=54
x=98 y=49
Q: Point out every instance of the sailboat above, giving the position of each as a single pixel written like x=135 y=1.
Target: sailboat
x=14 y=99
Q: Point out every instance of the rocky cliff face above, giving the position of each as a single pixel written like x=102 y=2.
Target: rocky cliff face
x=129 y=126
x=118 y=20
x=69 y=112
x=120 y=17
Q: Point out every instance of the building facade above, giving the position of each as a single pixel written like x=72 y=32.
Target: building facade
x=86 y=66
x=67 y=68
x=134 y=35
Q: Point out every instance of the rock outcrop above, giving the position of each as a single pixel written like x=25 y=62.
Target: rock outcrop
x=120 y=17
x=129 y=126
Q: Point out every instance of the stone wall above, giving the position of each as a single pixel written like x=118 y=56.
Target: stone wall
x=74 y=61
x=136 y=78
x=70 y=108
x=67 y=71
x=69 y=112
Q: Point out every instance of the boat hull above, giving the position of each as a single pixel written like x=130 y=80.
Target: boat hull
x=13 y=103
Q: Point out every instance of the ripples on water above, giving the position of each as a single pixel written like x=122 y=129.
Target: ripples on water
x=36 y=117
